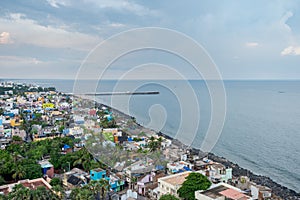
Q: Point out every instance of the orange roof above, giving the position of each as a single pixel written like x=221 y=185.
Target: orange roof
x=233 y=194
x=177 y=180
x=31 y=184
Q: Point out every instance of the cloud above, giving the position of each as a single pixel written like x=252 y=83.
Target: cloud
x=27 y=31
x=17 y=60
x=56 y=3
x=5 y=38
x=123 y=6
x=117 y=25
x=251 y=44
x=291 y=50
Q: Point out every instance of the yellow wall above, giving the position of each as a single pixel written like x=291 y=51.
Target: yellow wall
x=48 y=105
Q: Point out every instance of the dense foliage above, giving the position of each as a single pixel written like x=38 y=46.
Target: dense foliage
x=19 y=160
x=195 y=181
x=21 y=192
x=93 y=190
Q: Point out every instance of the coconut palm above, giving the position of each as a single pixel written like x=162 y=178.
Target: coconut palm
x=19 y=192
x=41 y=193
x=159 y=140
x=104 y=186
x=83 y=158
x=83 y=193
x=18 y=172
x=59 y=191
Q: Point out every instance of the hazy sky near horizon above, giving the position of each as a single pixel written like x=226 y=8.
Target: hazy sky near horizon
x=257 y=39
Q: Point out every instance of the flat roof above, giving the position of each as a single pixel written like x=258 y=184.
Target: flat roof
x=228 y=192
x=98 y=170
x=233 y=194
x=176 y=180
x=214 y=192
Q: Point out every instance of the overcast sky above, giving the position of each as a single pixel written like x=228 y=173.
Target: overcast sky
x=257 y=39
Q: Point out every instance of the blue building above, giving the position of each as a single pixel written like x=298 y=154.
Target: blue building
x=97 y=174
x=115 y=183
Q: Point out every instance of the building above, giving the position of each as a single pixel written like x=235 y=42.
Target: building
x=219 y=173
x=180 y=166
x=75 y=178
x=31 y=184
x=260 y=192
x=221 y=191
x=97 y=174
x=47 y=168
x=170 y=184
x=148 y=183
x=115 y=183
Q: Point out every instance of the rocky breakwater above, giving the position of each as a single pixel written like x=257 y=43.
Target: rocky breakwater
x=277 y=189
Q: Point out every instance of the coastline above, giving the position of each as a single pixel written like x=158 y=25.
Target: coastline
x=278 y=189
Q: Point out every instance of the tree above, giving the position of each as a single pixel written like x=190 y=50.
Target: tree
x=19 y=192
x=153 y=146
x=104 y=187
x=168 y=197
x=41 y=193
x=19 y=172
x=16 y=138
x=59 y=191
x=159 y=141
x=83 y=159
x=55 y=181
x=2 y=181
x=194 y=181
x=32 y=170
x=3 y=197
x=99 y=188
x=83 y=193
x=61 y=129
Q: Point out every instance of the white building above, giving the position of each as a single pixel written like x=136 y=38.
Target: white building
x=260 y=192
x=177 y=166
x=170 y=184
x=221 y=191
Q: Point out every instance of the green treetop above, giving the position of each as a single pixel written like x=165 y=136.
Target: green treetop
x=194 y=182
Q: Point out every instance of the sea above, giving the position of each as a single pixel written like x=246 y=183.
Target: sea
x=261 y=130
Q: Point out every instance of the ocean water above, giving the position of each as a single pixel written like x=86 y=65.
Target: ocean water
x=261 y=130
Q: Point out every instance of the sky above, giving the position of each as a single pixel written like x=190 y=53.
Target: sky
x=49 y=39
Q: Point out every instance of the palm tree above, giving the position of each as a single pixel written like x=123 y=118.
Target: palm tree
x=153 y=145
x=133 y=181
x=83 y=159
x=99 y=188
x=159 y=140
x=19 y=192
x=41 y=193
x=59 y=191
x=105 y=187
x=16 y=157
x=2 y=197
x=83 y=193
x=19 y=172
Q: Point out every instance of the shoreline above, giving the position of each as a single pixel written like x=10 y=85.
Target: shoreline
x=277 y=189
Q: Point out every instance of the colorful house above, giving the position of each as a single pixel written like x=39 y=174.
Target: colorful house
x=97 y=174
x=47 y=168
x=115 y=183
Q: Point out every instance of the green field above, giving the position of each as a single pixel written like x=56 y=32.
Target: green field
x=108 y=136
